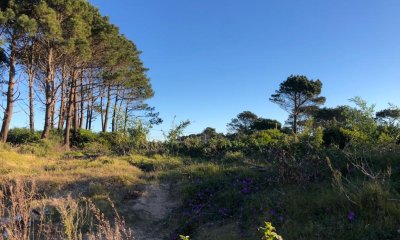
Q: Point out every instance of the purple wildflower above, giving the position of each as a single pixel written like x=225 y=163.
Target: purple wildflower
x=351 y=216
x=272 y=212
x=245 y=190
x=224 y=211
x=174 y=236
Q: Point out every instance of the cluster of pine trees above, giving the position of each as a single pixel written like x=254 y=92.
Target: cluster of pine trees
x=74 y=61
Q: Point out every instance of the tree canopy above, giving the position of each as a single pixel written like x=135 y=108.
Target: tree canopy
x=76 y=62
x=297 y=95
x=247 y=122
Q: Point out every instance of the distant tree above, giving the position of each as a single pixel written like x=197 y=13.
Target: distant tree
x=208 y=133
x=326 y=116
x=176 y=131
x=15 y=24
x=389 y=116
x=265 y=124
x=297 y=95
x=242 y=123
x=247 y=122
x=360 y=120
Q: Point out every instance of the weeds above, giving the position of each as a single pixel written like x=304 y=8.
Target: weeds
x=26 y=215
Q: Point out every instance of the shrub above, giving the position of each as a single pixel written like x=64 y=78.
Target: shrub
x=269 y=232
x=83 y=137
x=96 y=148
x=193 y=146
x=40 y=149
x=216 y=146
x=266 y=137
x=335 y=136
x=233 y=156
x=22 y=136
x=63 y=218
x=117 y=141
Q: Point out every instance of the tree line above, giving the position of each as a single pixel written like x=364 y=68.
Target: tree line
x=75 y=62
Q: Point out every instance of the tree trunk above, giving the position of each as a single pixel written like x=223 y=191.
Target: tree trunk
x=101 y=107
x=113 y=122
x=53 y=105
x=82 y=115
x=126 y=117
x=76 y=112
x=31 y=100
x=62 y=100
x=295 y=123
x=107 y=108
x=92 y=102
x=70 y=106
x=10 y=93
x=48 y=92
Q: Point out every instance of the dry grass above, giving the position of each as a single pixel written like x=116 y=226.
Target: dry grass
x=60 y=175
x=25 y=215
x=59 y=179
x=13 y=164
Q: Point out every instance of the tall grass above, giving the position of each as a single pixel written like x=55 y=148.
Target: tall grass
x=27 y=215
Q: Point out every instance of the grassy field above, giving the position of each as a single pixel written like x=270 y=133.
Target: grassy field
x=227 y=198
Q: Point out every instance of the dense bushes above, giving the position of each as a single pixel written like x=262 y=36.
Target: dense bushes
x=104 y=142
x=22 y=136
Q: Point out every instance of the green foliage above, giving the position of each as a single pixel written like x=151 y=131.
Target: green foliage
x=298 y=95
x=138 y=134
x=335 y=136
x=247 y=122
x=243 y=122
x=329 y=116
x=174 y=134
x=269 y=232
x=118 y=142
x=84 y=137
x=267 y=137
x=154 y=163
x=22 y=136
x=360 y=124
x=96 y=148
x=389 y=116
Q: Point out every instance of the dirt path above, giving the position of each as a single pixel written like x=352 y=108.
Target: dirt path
x=150 y=212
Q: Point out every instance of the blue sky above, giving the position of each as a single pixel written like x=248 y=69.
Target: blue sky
x=211 y=59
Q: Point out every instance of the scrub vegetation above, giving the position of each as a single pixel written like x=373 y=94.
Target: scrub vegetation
x=326 y=173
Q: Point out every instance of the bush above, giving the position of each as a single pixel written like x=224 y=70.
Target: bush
x=22 y=136
x=118 y=142
x=233 y=156
x=266 y=137
x=335 y=136
x=83 y=137
x=96 y=148
x=40 y=149
x=216 y=146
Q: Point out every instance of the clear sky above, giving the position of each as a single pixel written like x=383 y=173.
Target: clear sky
x=211 y=59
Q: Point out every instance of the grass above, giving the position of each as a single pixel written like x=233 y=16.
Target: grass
x=235 y=195
x=226 y=198
x=65 y=173
x=26 y=214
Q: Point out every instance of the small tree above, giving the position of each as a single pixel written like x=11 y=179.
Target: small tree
x=269 y=232
x=242 y=123
x=297 y=95
x=389 y=116
x=175 y=133
x=264 y=124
